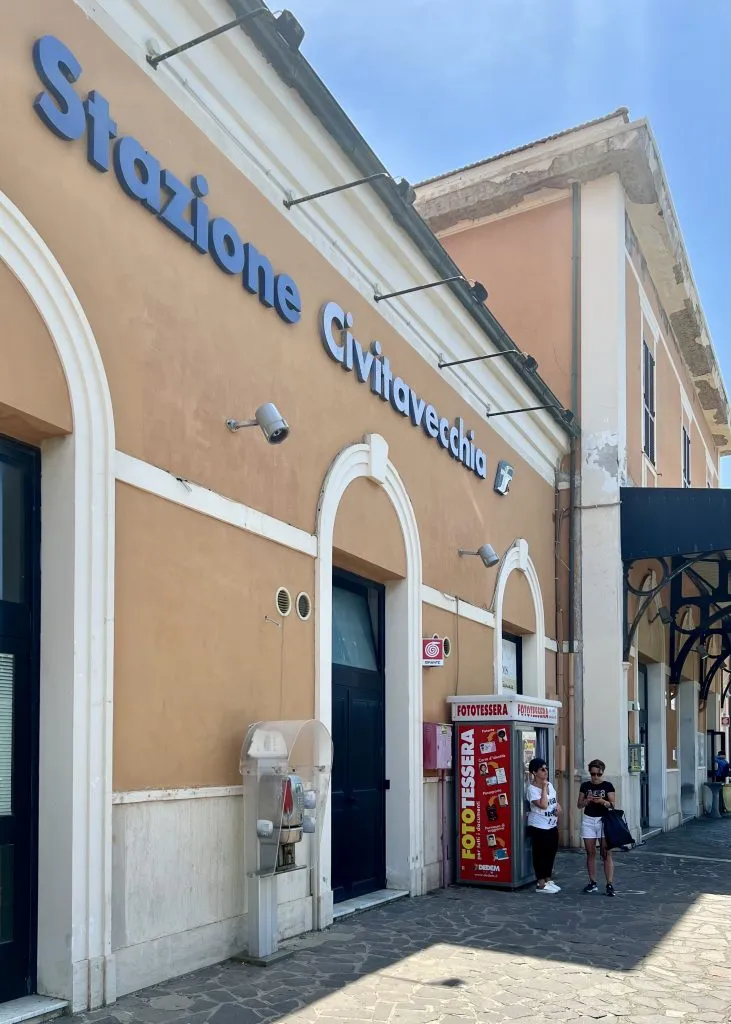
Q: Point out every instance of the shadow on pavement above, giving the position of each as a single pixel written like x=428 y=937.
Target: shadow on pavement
x=445 y=948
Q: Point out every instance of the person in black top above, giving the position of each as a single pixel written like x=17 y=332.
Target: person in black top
x=596 y=796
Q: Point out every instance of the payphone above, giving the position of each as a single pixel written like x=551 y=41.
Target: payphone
x=286 y=769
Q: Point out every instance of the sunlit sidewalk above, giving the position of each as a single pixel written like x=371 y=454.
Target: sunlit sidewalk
x=655 y=953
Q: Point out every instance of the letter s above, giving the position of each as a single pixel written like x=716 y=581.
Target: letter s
x=58 y=69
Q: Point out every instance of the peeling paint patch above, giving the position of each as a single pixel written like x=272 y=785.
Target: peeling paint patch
x=602 y=452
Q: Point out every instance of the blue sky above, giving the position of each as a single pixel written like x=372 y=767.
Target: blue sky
x=434 y=84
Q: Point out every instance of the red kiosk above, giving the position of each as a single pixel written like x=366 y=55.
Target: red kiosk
x=495 y=738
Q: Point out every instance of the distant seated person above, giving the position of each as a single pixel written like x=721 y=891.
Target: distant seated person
x=721 y=767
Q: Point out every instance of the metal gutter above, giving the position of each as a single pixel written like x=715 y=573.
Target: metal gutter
x=297 y=73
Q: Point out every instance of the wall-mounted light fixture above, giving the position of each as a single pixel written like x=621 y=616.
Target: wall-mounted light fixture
x=486 y=552
x=268 y=418
x=702 y=652
x=530 y=365
x=478 y=290
x=401 y=186
x=154 y=59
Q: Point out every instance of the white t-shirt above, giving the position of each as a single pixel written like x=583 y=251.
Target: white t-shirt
x=537 y=817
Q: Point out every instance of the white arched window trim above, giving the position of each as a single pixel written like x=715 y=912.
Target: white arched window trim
x=517 y=558
x=77 y=635
x=404 y=807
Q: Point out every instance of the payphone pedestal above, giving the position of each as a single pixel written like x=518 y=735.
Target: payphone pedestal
x=262 y=924
x=286 y=768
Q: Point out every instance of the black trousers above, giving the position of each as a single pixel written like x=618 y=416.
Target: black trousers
x=544 y=844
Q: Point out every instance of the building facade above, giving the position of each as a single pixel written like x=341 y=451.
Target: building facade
x=577 y=241
x=167 y=581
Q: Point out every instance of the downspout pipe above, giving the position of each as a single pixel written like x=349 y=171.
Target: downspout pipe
x=574 y=701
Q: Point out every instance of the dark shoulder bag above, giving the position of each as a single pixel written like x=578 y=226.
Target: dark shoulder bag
x=616 y=830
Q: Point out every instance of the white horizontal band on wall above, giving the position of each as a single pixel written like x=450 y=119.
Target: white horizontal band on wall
x=148 y=796
x=162 y=484
x=447 y=603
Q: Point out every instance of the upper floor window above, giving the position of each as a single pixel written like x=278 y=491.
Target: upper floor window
x=648 y=402
x=686 y=458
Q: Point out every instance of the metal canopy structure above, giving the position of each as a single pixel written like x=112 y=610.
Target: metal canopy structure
x=687 y=534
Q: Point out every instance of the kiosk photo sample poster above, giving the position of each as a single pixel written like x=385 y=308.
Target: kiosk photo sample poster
x=483 y=803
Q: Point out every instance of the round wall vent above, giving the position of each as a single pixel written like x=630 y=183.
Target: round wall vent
x=304 y=606
x=284 y=601
x=447 y=647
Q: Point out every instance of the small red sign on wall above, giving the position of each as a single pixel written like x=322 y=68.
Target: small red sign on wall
x=432 y=652
x=725 y=720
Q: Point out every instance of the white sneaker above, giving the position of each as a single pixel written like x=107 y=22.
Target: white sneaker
x=553 y=887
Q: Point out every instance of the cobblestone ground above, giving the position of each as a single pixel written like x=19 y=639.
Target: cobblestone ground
x=656 y=953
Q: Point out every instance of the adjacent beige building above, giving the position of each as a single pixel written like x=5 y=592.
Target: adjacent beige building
x=577 y=241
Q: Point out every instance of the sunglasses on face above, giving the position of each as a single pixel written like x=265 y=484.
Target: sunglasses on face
x=596 y=775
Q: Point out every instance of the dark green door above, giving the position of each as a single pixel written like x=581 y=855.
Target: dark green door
x=358 y=722
x=19 y=647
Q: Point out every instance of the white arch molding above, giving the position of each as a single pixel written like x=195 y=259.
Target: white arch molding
x=533 y=644
x=404 y=803
x=77 y=622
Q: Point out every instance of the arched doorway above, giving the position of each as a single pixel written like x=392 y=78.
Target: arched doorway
x=404 y=854
x=532 y=644
x=73 y=806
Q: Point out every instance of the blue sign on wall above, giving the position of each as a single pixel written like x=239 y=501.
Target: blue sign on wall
x=180 y=207
x=372 y=366
x=183 y=208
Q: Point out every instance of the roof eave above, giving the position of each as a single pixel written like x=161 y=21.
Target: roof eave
x=629 y=150
x=297 y=73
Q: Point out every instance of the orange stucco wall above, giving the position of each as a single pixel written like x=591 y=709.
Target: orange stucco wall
x=184 y=347
x=34 y=400
x=524 y=261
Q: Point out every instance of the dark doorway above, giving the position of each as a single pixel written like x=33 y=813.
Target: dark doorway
x=358 y=723
x=644 y=725
x=19 y=650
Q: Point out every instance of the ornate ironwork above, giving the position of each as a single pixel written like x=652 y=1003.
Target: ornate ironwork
x=669 y=573
x=712 y=603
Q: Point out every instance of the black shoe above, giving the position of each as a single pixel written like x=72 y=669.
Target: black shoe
x=610 y=890
x=591 y=887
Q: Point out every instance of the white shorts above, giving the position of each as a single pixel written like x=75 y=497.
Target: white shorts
x=592 y=828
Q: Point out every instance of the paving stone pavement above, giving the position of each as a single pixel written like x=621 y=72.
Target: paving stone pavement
x=657 y=953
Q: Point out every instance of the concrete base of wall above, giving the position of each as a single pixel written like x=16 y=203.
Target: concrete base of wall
x=179 y=893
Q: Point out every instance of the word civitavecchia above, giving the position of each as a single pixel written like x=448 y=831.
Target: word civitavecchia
x=372 y=366
x=183 y=209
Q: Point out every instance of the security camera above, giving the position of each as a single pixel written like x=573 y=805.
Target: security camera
x=489 y=555
x=268 y=418
x=273 y=425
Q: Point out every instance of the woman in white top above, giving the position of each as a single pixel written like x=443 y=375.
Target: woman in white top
x=542 y=824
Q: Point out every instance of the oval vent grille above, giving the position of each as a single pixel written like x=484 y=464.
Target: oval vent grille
x=304 y=606
x=284 y=601
x=447 y=647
